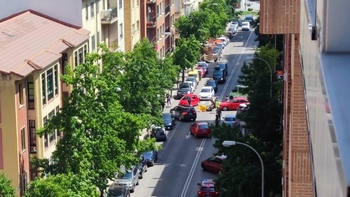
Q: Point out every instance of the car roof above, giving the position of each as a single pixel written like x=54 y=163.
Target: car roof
x=208 y=183
x=207 y=87
x=190 y=77
x=202 y=123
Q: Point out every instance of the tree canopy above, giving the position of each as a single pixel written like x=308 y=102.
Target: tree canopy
x=6 y=188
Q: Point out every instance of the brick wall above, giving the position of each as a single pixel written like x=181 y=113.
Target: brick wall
x=297 y=170
x=279 y=16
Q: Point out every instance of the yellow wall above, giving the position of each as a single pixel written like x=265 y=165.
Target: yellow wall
x=131 y=16
x=9 y=128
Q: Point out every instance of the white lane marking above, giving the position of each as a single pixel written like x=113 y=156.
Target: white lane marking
x=233 y=70
x=171 y=136
x=188 y=135
x=193 y=168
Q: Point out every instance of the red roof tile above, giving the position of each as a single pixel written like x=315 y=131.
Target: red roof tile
x=30 y=41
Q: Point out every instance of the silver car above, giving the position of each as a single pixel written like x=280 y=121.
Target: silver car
x=193 y=80
x=229 y=120
x=128 y=178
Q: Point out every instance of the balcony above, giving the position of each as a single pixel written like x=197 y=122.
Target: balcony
x=167 y=31
x=109 y=16
x=152 y=22
x=151 y=1
x=167 y=10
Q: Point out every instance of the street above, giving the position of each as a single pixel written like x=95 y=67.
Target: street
x=178 y=170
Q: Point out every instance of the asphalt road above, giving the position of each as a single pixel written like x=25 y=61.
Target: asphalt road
x=178 y=169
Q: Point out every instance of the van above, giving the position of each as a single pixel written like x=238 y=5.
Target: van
x=195 y=74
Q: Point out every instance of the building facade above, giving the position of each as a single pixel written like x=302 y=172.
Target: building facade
x=132 y=23
x=35 y=50
x=105 y=20
x=316 y=56
x=157 y=19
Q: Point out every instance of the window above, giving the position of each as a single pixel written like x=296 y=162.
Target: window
x=93 y=43
x=32 y=136
x=20 y=93
x=138 y=25
x=43 y=88
x=24 y=182
x=52 y=136
x=92 y=9
x=86 y=11
x=46 y=140
x=23 y=138
x=30 y=92
x=97 y=7
x=49 y=80
x=120 y=4
x=133 y=28
x=55 y=70
x=58 y=133
x=80 y=56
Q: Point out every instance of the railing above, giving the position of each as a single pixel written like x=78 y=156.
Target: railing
x=109 y=16
x=167 y=9
x=167 y=31
x=152 y=22
x=151 y=1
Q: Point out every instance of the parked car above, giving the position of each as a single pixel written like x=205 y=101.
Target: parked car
x=245 y=26
x=195 y=74
x=184 y=88
x=128 y=178
x=150 y=157
x=184 y=113
x=214 y=164
x=234 y=24
x=217 y=51
x=192 y=97
x=201 y=71
x=232 y=104
x=204 y=65
x=219 y=76
x=193 y=80
x=224 y=40
x=206 y=93
x=229 y=119
x=212 y=83
x=200 y=129
x=158 y=133
x=207 y=189
x=169 y=121
x=117 y=191
x=249 y=18
x=233 y=29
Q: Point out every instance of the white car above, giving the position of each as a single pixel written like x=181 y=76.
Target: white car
x=229 y=119
x=224 y=40
x=245 y=26
x=207 y=93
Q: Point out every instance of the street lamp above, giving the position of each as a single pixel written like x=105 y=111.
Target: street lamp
x=270 y=68
x=232 y=143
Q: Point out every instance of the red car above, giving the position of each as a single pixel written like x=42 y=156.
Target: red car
x=207 y=189
x=200 y=69
x=214 y=164
x=194 y=100
x=200 y=129
x=233 y=104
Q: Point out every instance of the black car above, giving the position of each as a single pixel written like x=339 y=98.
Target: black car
x=158 y=133
x=184 y=112
x=222 y=66
x=150 y=157
x=212 y=83
x=169 y=121
x=118 y=191
x=219 y=76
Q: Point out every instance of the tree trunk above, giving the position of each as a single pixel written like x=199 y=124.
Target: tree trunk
x=183 y=75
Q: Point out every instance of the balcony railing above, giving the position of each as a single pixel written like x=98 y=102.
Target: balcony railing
x=167 y=10
x=152 y=22
x=109 y=16
x=151 y=1
x=168 y=31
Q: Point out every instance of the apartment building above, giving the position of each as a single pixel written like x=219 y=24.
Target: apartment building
x=105 y=20
x=179 y=11
x=35 y=49
x=131 y=23
x=316 y=142
x=157 y=19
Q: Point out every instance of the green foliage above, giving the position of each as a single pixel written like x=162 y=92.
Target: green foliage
x=61 y=186
x=144 y=80
x=186 y=53
x=242 y=168
x=101 y=132
x=6 y=188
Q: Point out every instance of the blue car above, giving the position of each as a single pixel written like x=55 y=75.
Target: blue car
x=150 y=157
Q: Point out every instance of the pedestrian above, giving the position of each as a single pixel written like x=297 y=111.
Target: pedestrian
x=168 y=100
x=189 y=100
x=217 y=103
x=218 y=113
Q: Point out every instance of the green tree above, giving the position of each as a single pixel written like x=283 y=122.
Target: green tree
x=6 y=189
x=144 y=80
x=186 y=53
x=61 y=186
x=194 y=25
x=99 y=135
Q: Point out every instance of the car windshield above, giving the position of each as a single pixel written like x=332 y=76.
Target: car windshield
x=184 y=85
x=127 y=175
x=216 y=50
x=190 y=78
x=217 y=73
x=204 y=126
x=211 y=83
x=208 y=189
x=166 y=117
x=205 y=90
x=245 y=23
x=147 y=154
x=230 y=119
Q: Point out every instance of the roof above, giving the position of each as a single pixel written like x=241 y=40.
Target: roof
x=31 y=41
x=202 y=123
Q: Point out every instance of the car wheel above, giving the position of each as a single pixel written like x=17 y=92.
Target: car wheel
x=141 y=176
x=132 y=189
x=145 y=168
x=224 y=109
